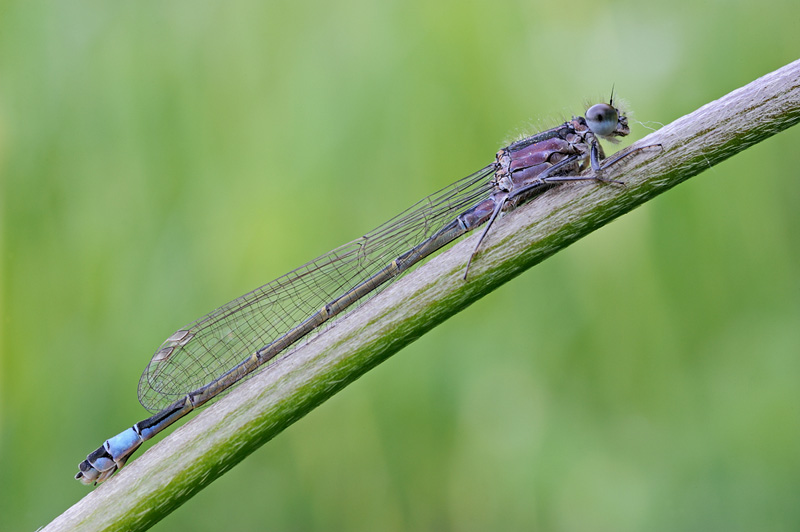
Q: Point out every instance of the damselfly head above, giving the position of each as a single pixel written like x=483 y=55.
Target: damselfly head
x=607 y=121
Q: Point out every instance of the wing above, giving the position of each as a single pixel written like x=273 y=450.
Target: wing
x=207 y=348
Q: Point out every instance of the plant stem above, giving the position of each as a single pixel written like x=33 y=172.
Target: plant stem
x=218 y=438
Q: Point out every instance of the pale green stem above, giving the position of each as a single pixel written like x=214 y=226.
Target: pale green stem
x=222 y=435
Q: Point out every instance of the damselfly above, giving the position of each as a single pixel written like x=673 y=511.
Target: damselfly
x=208 y=356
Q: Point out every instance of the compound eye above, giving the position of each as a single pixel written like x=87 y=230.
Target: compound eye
x=602 y=119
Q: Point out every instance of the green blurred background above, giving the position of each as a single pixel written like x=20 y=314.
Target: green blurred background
x=161 y=158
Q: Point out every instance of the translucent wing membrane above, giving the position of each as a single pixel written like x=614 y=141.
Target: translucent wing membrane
x=211 y=346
